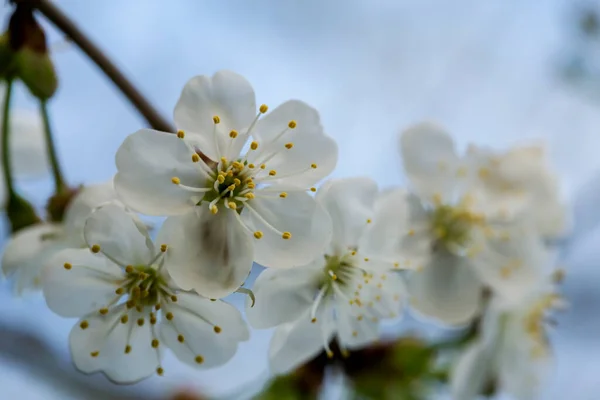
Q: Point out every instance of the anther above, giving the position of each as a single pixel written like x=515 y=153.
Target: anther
x=180 y=134
x=283 y=195
x=153 y=320
x=292 y=124
x=216 y=119
x=160 y=371
x=139 y=308
x=366 y=259
x=84 y=325
x=173 y=298
x=130 y=303
x=249 y=196
x=254 y=145
x=258 y=234
x=263 y=166
x=251 y=166
x=354 y=333
x=124 y=319
x=94 y=353
x=163 y=247
x=314 y=320
x=155 y=343
x=195 y=157
x=286 y=235
x=237 y=182
x=199 y=359
x=103 y=311
x=289 y=145
x=169 y=316
x=127 y=349
x=180 y=339
x=313 y=166
x=95 y=248
x=263 y=108
x=272 y=172
x=232 y=205
x=313 y=189
x=119 y=290
x=329 y=354
x=214 y=209
x=233 y=134
x=140 y=321
x=68 y=266
x=369 y=221
x=217 y=329
x=157 y=306
x=175 y=180
x=224 y=160
x=129 y=269
x=221 y=178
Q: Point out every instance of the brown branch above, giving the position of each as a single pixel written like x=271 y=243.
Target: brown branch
x=63 y=23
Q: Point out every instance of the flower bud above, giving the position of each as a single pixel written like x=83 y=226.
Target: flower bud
x=7 y=63
x=20 y=213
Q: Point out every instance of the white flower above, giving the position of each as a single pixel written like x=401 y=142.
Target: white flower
x=29 y=249
x=520 y=181
x=342 y=294
x=458 y=240
x=129 y=309
x=511 y=352
x=246 y=202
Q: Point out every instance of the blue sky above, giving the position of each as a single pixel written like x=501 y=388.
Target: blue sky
x=486 y=70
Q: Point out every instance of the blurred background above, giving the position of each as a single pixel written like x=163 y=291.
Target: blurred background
x=495 y=73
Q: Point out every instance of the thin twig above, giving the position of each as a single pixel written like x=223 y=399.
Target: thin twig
x=62 y=22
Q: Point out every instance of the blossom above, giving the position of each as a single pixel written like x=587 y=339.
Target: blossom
x=458 y=240
x=129 y=309
x=342 y=294
x=512 y=351
x=28 y=250
x=230 y=202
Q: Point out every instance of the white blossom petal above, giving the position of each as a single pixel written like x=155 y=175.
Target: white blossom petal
x=471 y=372
x=283 y=295
x=226 y=95
x=86 y=200
x=27 y=252
x=106 y=335
x=210 y=330
x=353 y=330
x=211 y=254
x=430 y=161
x=349 y=203
x=120 y=238
x=297 y=342
x=147 y=161
x=446 y=288
x=297 y=214
x=76 y=282
x=307 y=144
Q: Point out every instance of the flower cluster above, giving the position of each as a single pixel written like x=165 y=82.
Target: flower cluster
x=467 y=243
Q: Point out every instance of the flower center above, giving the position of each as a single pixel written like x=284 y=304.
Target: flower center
x=338 y=270
x=144 y=286
x=232 y=186
x=452 y=226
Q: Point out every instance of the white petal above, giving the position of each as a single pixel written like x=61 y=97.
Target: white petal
x=29 y=157
x=430 y=161
x=119 y=236
x=471 y=372
x=147 y=161
x=106 y=335
x=211 y=254
x=354 y=330
x=446 y=288
x=27 y=252
x=513 y=263
x=283 y=295
x=297 y=342
x=86 y=200
x=300 y=215
x=310 y=145
x=349 y=203
x=88 y=285
x=210 y=330
x=226 y=95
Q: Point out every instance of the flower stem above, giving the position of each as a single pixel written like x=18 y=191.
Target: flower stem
x=6 y=164
x=56 y=171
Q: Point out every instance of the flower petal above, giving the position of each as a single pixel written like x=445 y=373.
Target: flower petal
x=208 y=329
x=106 y=335
x=430 y=161
x=446 y=288
x=309 y=145
x=120 y=238
x=283 y=295
x=211 y=254
x=354 y=331
x=471 y=373
x=298 y=214
x=27 y=252
x=297 y=342
x=147 y=161
x=349 y=203
x=226 y=95
x=87 y=285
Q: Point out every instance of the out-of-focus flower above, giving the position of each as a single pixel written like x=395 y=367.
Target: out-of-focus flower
x=130 y=309
x=231 y=202
x=29 y=250
x=511 y=353
x=343 y=293
x=459 y=240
